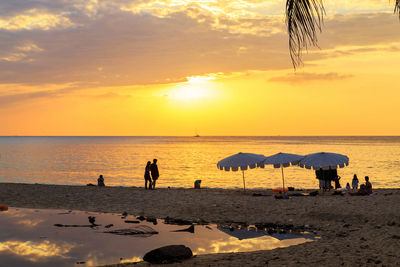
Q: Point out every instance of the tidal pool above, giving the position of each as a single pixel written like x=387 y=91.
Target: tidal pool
x=33 y=237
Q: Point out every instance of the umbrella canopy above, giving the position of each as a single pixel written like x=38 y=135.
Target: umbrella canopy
x=242 y=161
x=282 y=160
x=324 y=160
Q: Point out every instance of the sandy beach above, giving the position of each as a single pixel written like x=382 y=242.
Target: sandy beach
x=354 y=230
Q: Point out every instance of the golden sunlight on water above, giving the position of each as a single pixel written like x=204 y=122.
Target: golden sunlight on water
x=261 y=243
x=182 y=160
x=35 y=251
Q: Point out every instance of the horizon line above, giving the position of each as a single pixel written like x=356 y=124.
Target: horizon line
x=200 y=136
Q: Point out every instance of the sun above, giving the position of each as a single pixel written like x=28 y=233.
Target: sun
x=195 y=88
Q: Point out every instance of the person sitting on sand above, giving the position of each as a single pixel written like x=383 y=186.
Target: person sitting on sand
x=154 y=173
x=147 y=178
x=348 y=186
x=354 y=182
x=361 y=192
x=100 y=181
x=368 y=185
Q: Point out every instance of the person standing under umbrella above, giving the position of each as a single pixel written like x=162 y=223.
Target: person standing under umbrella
x=154 y=173
x=337 y=182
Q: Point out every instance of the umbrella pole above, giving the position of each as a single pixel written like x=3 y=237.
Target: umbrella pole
x=283 y=181
x=244 y=183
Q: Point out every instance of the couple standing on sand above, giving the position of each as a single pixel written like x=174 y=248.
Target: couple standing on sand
x=151 y=168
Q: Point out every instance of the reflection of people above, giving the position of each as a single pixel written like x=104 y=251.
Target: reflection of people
x=154 y=172
x=147 y=178
x=368 y=185
x=354 y=182
x=100 y=181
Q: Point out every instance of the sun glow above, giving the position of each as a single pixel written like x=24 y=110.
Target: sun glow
x=197 y=87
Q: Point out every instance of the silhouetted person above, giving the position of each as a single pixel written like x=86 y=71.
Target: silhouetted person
x=348 y=186
x=154 y=172
x=354 y=182
x=147 y=178
x=361 y=192
x=100 y=181
x=368 y=186
x=337 y=182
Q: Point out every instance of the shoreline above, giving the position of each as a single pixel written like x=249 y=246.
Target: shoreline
x=354 y=230
x=238 y=189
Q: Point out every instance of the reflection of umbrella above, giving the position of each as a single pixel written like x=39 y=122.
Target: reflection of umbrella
x=286 y=236
x=242 y=161
x=241 y=233
x=294 y=236
x=281 y=160
x=324 y=160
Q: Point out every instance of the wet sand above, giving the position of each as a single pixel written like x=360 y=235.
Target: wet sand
x=355 y=230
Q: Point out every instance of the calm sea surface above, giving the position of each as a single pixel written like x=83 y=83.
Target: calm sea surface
x=182 y=160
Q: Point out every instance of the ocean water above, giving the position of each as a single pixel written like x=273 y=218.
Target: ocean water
x=182 y=160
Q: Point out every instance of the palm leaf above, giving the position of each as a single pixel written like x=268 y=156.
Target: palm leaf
x=303 y=18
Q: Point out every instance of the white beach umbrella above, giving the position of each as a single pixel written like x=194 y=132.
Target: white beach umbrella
x=282 y=160
x=241 y=161
x=324 y=160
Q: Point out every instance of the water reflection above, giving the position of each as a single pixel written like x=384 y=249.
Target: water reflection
x=35 y=251
x=30 y=222
x=232 y=244
x=32 y=238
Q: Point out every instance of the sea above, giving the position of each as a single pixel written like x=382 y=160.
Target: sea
x=182 y=160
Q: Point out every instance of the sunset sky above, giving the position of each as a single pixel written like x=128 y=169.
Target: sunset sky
x=175 y=67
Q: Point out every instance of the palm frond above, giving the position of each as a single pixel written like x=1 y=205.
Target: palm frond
x=303 y=18
x=397 y=8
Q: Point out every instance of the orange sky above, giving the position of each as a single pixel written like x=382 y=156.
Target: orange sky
x=176 y=67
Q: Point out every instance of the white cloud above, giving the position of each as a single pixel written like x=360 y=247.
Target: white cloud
x=35 y=19
x=21 y=52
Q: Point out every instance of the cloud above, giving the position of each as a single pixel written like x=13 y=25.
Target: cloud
x=14 y=96
x=310 y=77
x=20 y=52
x=109 y=95
x=138 y=49
x=247 y=17
x=114 y=43
x=34 y=19
x=29 y=46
